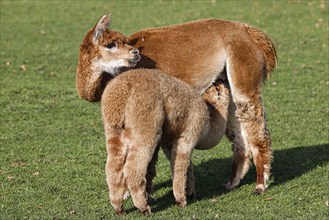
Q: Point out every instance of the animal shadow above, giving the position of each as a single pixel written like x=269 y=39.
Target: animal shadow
x=210 y=176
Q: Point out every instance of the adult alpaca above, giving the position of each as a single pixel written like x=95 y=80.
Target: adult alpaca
x=199 y=52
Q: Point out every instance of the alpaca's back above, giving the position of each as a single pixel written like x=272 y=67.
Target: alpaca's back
x=142 y=97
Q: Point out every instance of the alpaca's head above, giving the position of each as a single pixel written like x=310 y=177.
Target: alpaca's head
x=103 y=54
x=107 y=50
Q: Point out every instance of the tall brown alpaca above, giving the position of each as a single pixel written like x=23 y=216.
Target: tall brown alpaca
x=198 y=53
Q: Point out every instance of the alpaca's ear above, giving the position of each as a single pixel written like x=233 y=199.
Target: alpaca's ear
x=101 y=27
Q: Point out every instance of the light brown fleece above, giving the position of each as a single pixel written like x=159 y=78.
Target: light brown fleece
x=143 y=109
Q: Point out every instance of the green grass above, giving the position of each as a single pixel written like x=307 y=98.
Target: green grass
x=52 y=149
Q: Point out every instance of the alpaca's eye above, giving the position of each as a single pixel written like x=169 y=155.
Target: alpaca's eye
x=111 y=45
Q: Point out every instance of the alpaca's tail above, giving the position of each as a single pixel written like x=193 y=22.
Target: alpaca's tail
x=266 y=46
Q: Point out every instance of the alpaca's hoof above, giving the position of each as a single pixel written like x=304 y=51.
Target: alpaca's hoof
x=119 y=212
x=191 y=197
x=231 y=185
x=146 y=211
x=181 y=203
x=228 y=186
x=260 y=189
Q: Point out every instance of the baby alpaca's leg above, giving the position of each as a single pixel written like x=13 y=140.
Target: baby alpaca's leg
x=135 y=172
x=181 y=158
x=114 y=168
x=151 y=172
x=190 y=185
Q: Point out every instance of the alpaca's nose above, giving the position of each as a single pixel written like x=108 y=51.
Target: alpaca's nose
x=134 y=51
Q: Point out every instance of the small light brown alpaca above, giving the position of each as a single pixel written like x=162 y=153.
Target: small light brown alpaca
x=141 y=110
x=198 y=53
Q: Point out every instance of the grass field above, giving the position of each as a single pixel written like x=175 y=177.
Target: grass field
x=52 y=148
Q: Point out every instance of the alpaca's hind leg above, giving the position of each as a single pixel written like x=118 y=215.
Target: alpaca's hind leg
x=262 y=157
x=245 y=71
x=135 y=171
x=190 y=183
x=250 y=139
x=114 y=168
x=151 y=172
x=241 y=152
x=181 y=157
x=257 y=144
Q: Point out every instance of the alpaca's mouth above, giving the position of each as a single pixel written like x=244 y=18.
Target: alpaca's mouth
x=134 y=60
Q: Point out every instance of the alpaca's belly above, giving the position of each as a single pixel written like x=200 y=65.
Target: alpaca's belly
x=199 y=71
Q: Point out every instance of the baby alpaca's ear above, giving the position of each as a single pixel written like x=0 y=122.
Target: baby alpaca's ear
x=101 y=27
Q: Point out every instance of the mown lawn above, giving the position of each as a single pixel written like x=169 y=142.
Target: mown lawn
x=52 y=149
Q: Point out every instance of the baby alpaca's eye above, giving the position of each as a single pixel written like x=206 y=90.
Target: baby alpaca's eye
x=111 y=45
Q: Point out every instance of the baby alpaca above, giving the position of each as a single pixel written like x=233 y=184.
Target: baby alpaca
x=141 y=110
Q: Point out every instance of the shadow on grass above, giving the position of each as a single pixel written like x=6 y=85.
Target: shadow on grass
x=210 y=176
